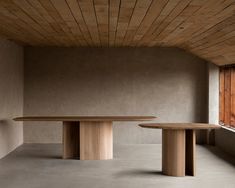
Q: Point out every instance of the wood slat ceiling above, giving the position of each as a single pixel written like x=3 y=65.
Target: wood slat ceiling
x=203 y=27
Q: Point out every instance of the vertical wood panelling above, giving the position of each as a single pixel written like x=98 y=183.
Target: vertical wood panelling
x=233 y=97
x=227 y=95
x=221 y=96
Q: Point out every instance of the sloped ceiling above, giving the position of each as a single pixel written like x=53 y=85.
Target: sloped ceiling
x=203 y=27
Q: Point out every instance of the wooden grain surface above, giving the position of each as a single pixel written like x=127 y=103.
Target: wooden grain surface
x=179 y=126
x=85 y=118
x=190 y=152
x=227 y=96
x=71 y=140
x=173 y=152
x=88 y=140
x=203 y=27
x=96 y=140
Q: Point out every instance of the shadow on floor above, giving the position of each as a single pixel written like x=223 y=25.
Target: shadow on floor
x=222 y=155
x=29 y=156
x=44 y=157
x=37 y=151
x=140 y=173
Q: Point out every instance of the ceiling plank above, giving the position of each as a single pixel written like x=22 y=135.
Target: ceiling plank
x=78 y=16
x=167 y=10
x=88 y=11
x=152 y=14
x=56 y=31
x=138 y=15
x=126 y=10
x=18 y=17
x=102 y=15
x=203 y=27
x=62 y=7
x=58 y=19
x=114 y=9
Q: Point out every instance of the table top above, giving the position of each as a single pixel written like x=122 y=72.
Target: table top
x=85 y=118
x=179 y=126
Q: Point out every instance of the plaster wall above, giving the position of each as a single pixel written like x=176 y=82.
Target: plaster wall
x=166 y=82
x=11 y=96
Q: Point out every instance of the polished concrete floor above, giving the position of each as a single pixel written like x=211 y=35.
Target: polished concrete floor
x=134 y=166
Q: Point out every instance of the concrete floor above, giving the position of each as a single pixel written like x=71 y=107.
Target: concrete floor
x=134 y=166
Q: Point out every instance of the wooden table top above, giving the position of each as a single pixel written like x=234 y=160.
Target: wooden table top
x=179 y=126
x=85 y=118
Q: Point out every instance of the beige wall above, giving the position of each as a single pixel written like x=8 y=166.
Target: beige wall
x=166 y=82
x=11 y=96
x=213 y=95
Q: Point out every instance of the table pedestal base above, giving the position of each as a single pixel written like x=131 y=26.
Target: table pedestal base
x=71 y=140
x=88 y=140
x=178 y=151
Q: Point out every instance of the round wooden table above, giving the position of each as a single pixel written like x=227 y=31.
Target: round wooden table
x=87 y=137
x=178 y=146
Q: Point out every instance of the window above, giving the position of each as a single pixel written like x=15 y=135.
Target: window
x=227 y=96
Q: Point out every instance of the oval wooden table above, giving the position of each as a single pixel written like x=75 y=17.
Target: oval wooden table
x=87 y=137
x=178 y=146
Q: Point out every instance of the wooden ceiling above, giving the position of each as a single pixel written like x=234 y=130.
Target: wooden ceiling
x=203 y=27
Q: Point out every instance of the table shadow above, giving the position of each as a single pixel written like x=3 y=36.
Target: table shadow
x=221 y=154
x=140 y=173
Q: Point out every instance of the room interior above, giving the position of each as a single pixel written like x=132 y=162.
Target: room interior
x=169 y=59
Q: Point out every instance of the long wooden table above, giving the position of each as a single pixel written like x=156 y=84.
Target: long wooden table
x=178 y=146
x=87 y=137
